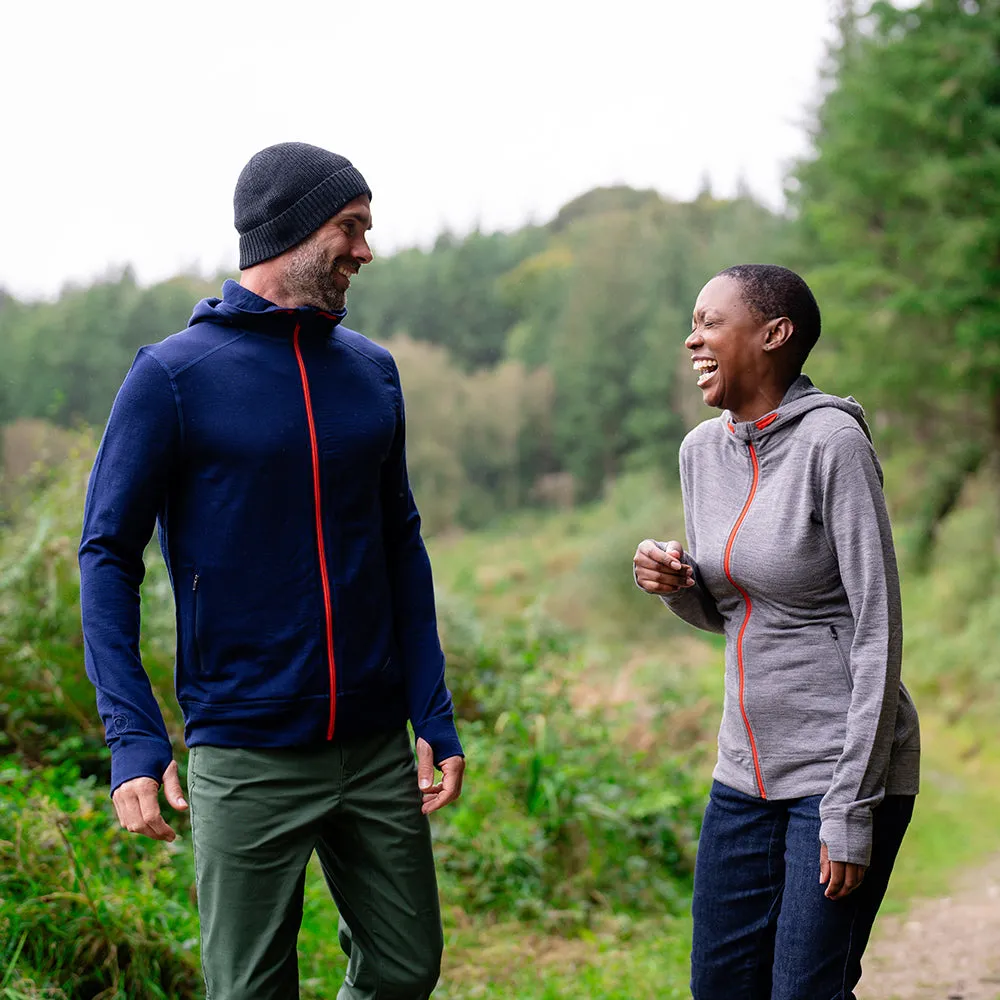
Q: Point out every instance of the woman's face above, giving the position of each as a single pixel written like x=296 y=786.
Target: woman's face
x=727 y=347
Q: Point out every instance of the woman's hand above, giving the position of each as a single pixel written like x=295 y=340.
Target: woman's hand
x=658 y=567
x=841 y=878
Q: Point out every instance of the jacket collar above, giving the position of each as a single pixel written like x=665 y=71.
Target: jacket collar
x=239 y=307
x=800 y=398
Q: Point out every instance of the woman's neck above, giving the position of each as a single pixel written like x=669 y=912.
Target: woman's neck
x=765 y=400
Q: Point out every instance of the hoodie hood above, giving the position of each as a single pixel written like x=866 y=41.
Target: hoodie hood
x=802 y=397
x=239 y=307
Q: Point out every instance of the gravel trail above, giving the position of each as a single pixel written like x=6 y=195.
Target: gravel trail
x=942 y=949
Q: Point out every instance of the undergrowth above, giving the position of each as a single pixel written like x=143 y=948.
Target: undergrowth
x=563 y=823
x=565 y=868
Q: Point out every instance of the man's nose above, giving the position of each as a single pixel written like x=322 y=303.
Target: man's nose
x=362 y=252
x=693 y=340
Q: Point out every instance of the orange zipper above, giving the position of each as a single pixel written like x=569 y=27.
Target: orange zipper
x=317 y=497
x=746 y=619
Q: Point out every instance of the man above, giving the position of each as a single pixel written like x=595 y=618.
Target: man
x=268 y=442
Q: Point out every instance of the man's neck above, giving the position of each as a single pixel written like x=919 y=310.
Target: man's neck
x=263 y=282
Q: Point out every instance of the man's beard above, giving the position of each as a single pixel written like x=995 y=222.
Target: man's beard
x=309 y=278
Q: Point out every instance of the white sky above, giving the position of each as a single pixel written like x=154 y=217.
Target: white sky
x=125 y=123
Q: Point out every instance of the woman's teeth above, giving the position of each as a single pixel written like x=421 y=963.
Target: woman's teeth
x=706 y=369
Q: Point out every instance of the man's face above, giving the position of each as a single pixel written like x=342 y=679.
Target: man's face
x=318 y=270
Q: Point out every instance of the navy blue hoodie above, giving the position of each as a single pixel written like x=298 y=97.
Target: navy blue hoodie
x=268 y=444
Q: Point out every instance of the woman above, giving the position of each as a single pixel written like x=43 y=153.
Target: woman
x=790 y=556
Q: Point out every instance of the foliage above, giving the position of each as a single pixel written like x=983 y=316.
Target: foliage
x=449 y=297
x=84 y=910
x=537 y=365
x=565 y=817
x=47 y=710
x=474 y=443
x=546 y=366
x=900 y=216
x=65 y=360
x=564 y=824
x=953 y=612
x=606 y=306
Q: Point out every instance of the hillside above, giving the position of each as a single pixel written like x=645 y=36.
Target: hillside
x=589 y=717
x=547 y=391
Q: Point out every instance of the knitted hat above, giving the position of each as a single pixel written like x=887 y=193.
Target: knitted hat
x=285 y=193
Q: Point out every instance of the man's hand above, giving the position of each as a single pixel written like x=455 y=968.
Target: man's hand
x=658 y=567
x=450 y=786
x=841 y=878
x=137 y=804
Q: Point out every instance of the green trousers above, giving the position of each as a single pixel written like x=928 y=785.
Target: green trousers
x=256 y=818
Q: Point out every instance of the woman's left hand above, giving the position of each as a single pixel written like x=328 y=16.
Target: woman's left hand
x=841 y=878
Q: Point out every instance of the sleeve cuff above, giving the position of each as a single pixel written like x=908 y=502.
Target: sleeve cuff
x=442 y=736
x=848 y=836
x=139 y=759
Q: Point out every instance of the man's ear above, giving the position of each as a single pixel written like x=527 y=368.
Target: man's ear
x=779 y=332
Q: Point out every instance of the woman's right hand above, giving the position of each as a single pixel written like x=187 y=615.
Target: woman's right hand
x=658 y=567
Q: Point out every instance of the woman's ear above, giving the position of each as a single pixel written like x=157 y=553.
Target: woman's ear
x=779 y=332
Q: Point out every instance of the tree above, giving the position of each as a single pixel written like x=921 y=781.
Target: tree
x=450 y=295
x=900 y=215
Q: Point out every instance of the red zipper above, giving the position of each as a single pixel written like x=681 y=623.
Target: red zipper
x=327 y=603
x=746 y=619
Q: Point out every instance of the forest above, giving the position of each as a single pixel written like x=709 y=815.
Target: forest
x=547 y=391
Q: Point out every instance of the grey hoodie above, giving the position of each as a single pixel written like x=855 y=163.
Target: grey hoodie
x=792 y=551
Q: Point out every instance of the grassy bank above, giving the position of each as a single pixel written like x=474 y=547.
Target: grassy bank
x=570 y=830
x=589 y=715
x=577 y=566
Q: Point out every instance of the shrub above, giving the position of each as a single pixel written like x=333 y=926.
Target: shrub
x=83 y=908
x=561 y=817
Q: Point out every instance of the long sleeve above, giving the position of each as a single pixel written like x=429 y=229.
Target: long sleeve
x=695 y=605
x=857 y=527
x=414 y=616
x=128 y=486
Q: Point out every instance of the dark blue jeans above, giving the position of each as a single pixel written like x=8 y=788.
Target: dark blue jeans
x=763 y=930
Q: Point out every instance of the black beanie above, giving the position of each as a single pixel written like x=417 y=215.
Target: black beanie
x=285 y=193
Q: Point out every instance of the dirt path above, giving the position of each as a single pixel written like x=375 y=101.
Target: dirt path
x=943 y=949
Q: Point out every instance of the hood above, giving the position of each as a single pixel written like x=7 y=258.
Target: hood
x=239 y=307
x=801 y=397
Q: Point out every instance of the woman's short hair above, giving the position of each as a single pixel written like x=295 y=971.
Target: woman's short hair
x=772 y=291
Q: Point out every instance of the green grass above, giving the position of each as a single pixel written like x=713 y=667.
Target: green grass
x=621 y=958
x=569 y=563
x=957 y=814
x=642 y=961
x=590 y=716
x=570 y=835
x=577 y=564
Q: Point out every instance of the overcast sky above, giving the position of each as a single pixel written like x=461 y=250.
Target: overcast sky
x=126 y=124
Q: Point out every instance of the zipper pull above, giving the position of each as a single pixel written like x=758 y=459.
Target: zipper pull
x=833 y=629
x=194 y=586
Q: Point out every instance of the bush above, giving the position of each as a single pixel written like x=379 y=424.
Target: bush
x=561 y=817
x=83 y=908
x=47 y=711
